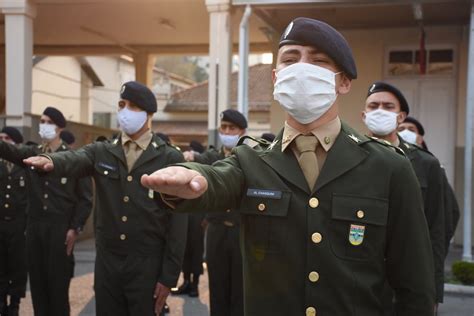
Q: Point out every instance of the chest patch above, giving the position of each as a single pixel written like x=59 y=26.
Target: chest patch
x=269 y=194
x=356 y=234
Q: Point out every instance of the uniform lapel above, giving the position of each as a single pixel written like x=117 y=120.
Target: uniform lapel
x=115 y=148
x=285 y=164
x=344 y=155
x=151 y=152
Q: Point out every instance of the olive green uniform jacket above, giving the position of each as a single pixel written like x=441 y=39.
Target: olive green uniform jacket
x=451 y=212
x=297 y=244
x=431 y=180
x=52 y=199
x=130 y=219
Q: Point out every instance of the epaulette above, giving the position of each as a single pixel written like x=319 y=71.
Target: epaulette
x=396 y=149
x=253 y=142
x=115 y=141
x=176 y=147
x=420 y=148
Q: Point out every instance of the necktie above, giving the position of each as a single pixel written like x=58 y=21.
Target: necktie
x=131 y=154
x=306 y=146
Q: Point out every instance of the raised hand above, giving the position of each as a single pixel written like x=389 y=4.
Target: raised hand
x=40 y=162
x=176 y=181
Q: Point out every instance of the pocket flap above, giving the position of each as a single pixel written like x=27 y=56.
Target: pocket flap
x=360 y=209
x=276 y=204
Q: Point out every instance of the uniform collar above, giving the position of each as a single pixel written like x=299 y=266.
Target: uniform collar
x=143 y=141
x=326 y=134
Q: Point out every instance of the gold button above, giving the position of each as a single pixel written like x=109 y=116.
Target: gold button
x=123 y=237
x=7 y=206
x=46 y=183
x=228 y=210
x=261 y=207
x=314 y=202
x=313 y=276
x=106 y=172
x=327 y=140
x=129 y=178
x=46 y=196
x=7 y=196
x=9 y=186
x=316 y=238
x=360 y=214
x=45 y=207
x=124 y=219
x=311 y=311
x=126 y=199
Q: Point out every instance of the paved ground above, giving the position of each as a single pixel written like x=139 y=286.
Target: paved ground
x=82 y=294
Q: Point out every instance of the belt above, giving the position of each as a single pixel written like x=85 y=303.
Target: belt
x=228 y=224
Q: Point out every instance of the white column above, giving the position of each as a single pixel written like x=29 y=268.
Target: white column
x=19 y=17
x=220 y=62
x=144 y=63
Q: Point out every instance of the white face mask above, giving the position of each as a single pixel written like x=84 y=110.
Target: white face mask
x=305 y=91
x=381 y=122
x=131 y=121
x=229 y=141
x=408 y=136
x=47 y=131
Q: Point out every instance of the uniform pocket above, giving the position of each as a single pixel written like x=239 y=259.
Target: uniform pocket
x=358 y=226
x=264 y=223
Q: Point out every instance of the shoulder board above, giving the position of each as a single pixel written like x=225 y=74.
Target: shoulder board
x=176 y=147
x=387 y=144
x=422 y=149
x=115 y=141
x=253 y=142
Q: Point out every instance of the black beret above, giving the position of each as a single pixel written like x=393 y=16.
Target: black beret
x=140 y=95
x=56 y=116
x=234 y=116
x=268 y=136
x=380 y=86
x=67 y=137
x=418 y=125
x=196 y=146
x=13 y=133
x=310 y=32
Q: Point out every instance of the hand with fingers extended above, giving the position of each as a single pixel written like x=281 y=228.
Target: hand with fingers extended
x=160 y=295
x=176 y=181
x=40 y=162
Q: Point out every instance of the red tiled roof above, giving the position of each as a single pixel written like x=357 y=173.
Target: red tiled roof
x=196 y=98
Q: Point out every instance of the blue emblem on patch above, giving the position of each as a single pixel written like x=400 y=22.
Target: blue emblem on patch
x=356 y=234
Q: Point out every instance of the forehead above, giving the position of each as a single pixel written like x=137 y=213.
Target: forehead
x=382 y=97
x=4 y=135
x=409 y=126
x=45 y=118
x=300 y=49
x=229 y=124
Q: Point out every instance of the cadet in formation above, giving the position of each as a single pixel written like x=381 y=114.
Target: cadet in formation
x=223 y=255
x=140 y=245
x=385 y=108
x=58 y=208
x=13 y=201
x=413 y=132
x=328 y=215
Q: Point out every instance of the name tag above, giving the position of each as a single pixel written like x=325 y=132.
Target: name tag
x=270 y=194
x=106 y=166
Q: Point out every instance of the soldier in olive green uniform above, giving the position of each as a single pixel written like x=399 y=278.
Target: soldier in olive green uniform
x=412 y=132
x=140 y=245
x=385 y=108
x=223 y=255
x=13 y=201
x=58 y=208
x=328 y=215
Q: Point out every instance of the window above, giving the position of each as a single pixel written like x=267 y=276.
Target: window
x=407 y=62
x=101 y=119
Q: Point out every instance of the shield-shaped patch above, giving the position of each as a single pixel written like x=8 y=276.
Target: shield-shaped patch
x=356 y=234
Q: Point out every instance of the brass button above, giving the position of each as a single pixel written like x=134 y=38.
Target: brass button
x=123 y=237
x=261 y=207
x=7 y=206
x=46 y=196
x=106 y=172
x=313 y=276
x=45 y=207
x=228 y=210
x=360 y=214
x=316 y=238
x=7 y=196
x=9 y=186
x=46 y=183
x=311 y=311
x=9 y=177
x=129 y=178
x=126 y=199
x=313 y=202
x=327 y=140
x=124 y=219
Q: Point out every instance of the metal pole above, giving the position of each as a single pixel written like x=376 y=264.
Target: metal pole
x=467 y=250
x=243 y=95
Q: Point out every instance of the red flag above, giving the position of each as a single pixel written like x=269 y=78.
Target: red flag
x=422 y=52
